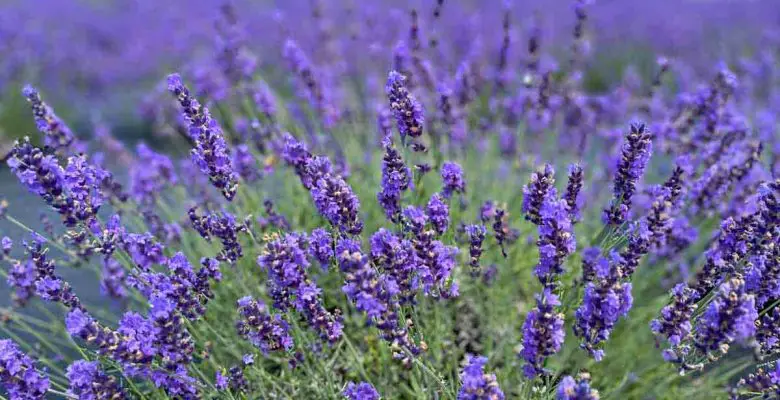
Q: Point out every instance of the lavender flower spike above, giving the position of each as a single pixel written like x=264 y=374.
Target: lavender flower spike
x=452 y=179
x=543 y=333
x=211 y=153
x=438 y=213
x=290 y=287
x=56 y=134
x=18 y=374
x=730 y=317
x=556 y=240
x=571 y=389
x=476 y=235
x=267 y=332
x=360 y=391
x=476 y=383
x=635 y=155
x=573 y=196
x=88 y=381
x=407 y=110
x=396 y=178
x=534 y=193
x=606 y=300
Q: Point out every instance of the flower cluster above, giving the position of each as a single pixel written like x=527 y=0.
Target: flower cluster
x=577 y=389
x=452 y=179
x=223 y=226
x=635 y=154
x=541 y=186
x=332 y=196
x=211 y=153
x=74 y=192
x=573 y=193
x=556 y=240
x=89 y=381
x=18 y=374
x=360 y=391
x=396 y=178
x=730 y=317
x=543 y=333
x=285 y=261
x=267 y=332
x=438 y=213
x=376 y=295
x=397 y=258
x=476 y=384
x=56 y=133
x=606 y=299
x=407 y=110
x=311 y=85
x=476 y=235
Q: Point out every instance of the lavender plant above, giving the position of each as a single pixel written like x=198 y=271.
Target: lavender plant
x=359 y=200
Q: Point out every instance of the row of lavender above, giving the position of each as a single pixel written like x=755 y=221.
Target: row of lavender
x=414 y=262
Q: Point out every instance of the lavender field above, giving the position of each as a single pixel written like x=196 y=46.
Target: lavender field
x=424 y=199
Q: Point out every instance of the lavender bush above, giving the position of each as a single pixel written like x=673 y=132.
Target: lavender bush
x=365 y=200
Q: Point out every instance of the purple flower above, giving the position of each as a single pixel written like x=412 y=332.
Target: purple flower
x=476 y=384
x=150 y=175
x=556 y=240
x=360 y=391
x=541 y=186
x=336 y=201
x=112 y=279
x=384 y=123
x=764 y=381
x=143 y=249
x=273 y=219
x=21 y=277
x=438 y=213
x=571 y=389
x=476 y=235
x=367 y=289
x=285 y=261
x=717 y=181
x=89 y=381
x=414 y=219
x=56 y=133
x=48 y=285
x=220 y=381
x=376 y=295
x=674 y=322
x=606 y=299
x=268 y=332
x=397 y=258
x=396 y=178
x=333 y=197
x=72 y=193
x=321 y=247
x=223 y=226
x=18 y=374
x=211 y=153
x=6 y=244
x=543 y=333
x=573 y=194
x=452 y=179
x=407 y=110
x=729 y=318
x=635 y=154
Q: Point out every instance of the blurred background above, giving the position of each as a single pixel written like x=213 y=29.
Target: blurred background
x=100 y=63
